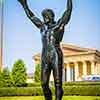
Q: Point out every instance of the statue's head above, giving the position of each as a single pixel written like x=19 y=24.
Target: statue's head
x=48 y=16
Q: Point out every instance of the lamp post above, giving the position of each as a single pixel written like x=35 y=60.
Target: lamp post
x=1 y=30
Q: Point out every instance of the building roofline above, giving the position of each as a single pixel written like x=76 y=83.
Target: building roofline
x=74 y=47
x=82 y=51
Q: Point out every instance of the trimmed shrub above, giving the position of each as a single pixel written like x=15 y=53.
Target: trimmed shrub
x=19 y=75
x=80 y=83
x=21 y=91
x=37 y=73
x=5 y=78
x=34 y=84
x=82 y=90
x=74 y=88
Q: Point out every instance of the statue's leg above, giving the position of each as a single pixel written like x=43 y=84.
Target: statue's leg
x=57 y=73
x=45 y=74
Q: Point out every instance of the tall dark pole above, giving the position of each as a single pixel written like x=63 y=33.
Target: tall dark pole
x=1 y=31
x=65 y=75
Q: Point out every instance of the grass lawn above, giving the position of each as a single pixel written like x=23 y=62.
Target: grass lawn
x=42 y=98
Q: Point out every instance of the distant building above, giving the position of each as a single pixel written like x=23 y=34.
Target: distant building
x=77 y=62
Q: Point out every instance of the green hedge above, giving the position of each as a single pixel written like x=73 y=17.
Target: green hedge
x=70 y=88
x=82 y=90
x=21 y=91
x=34 y=84
x=80 y=83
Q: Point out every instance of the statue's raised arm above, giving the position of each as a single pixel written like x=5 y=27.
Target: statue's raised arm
x=38 y=23
x=67 y=14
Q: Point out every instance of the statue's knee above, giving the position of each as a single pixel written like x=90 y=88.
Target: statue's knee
x=58 y=83
x=44 y=84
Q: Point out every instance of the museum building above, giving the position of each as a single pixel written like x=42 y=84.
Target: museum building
x=78 y=62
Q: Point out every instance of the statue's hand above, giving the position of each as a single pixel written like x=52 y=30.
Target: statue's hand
x=23 y=2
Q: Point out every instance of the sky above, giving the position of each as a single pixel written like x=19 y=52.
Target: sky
x=22 y=39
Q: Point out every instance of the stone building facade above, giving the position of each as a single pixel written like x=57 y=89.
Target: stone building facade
x=78 y=62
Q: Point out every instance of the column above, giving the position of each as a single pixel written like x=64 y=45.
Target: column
x=65 y=72
x=76 y=71
x=65 y=75
x=84 y=68
x=68 y=72
x=92 y=67
x=96 y=69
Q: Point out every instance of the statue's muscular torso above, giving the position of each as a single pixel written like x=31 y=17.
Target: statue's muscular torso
x=51 y=39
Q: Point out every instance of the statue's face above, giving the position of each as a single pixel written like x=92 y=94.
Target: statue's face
x=48 y=16
x=47 y=20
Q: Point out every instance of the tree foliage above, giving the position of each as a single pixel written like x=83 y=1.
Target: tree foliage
x=5 y=78
x=37 y=73
x=19 y=74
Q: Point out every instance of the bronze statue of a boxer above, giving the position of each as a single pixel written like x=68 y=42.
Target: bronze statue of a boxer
x=52 y=57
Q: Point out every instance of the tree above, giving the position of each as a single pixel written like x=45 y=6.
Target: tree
x=5 y=78
x=19 y=74
x=37 y=73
